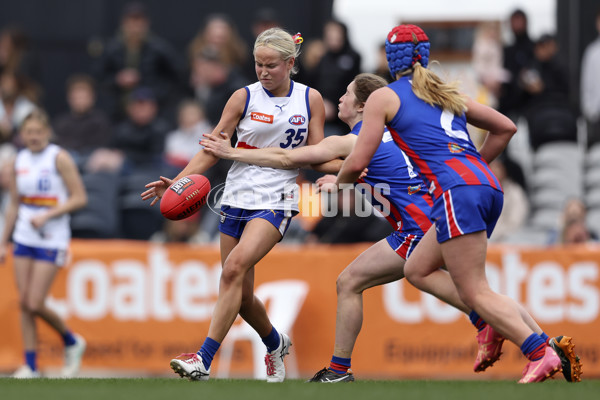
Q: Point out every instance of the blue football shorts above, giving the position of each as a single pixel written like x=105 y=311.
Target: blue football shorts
x=403 y=243
x=466 y=209
x=55 y=256
x=233 y=220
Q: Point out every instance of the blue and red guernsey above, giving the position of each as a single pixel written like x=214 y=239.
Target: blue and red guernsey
x=437 y=143
x=406 y=204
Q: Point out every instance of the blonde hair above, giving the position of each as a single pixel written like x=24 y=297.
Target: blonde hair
x=434 y=91
x=37 y=115
x=280 y=41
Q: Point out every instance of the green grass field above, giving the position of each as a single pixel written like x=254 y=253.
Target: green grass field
x=166 y=388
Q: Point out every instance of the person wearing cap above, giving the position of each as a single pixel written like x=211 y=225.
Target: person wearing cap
x=137 y=57
x=428 y=118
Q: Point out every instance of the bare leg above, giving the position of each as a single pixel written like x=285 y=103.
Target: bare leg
x=428 y=276
x=23 y=267
x=42 y=277
x=377 y=265
x=464 y=258
x=258 y=239
x=252 y=310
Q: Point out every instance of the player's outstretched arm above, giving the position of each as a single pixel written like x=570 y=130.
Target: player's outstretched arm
x=328 y=149
x=203 y=160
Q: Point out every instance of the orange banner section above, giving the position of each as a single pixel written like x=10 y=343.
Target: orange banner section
x=138 y=305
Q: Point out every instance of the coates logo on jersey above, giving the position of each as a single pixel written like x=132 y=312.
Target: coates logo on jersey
x=455 y=148
x=179 y=186
x=260 y=117
x=297 y=120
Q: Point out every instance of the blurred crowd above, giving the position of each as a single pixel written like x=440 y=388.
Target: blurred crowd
x=156 y=104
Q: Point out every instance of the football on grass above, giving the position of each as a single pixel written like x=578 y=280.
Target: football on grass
x=184 y=197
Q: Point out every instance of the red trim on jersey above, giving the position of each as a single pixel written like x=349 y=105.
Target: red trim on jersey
x=244 y=145
x=478 y=163
x=392 y=210
x=419 y=216
x=428 y=199
x=421 y=164
x=450 y=217
x=463 y=171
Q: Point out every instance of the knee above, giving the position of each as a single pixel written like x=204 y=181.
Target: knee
x=413 y=275
x=31 y=307
x=346 y=283
x=472 y=298
x=232 y=273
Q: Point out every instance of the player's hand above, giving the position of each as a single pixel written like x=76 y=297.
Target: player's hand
x=156 y=189
x=364 y=173
x=327 y=184
x=217 y=146
x=38 y=221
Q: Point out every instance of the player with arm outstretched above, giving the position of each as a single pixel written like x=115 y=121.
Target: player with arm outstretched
x=406 y=205
x=427 y=119
x=275 y=111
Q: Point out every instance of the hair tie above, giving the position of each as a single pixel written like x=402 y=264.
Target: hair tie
x=416 y=59
x=298 y=38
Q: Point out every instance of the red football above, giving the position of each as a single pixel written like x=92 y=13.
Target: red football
x=184 y=197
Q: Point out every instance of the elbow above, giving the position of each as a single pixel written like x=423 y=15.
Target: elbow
x=81 y=202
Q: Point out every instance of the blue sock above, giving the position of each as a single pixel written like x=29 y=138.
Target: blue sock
x=545 y=337
x=272 y=340
x=339 y=365
x=31 y=360
x=477 y=321
x=68 y=338
x=534 y=347
x=208 y=350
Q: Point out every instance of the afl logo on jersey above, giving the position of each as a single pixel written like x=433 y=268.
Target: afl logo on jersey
x=455 y=148
x=260 y=117
x=297 y=120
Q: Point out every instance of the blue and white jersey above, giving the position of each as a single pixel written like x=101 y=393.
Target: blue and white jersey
x=268 y=121
x=40 y=187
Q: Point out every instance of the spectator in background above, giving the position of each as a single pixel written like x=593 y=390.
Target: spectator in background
x=136 y=57
x=382 y=69
x=487 y=63
x=338 y=66
x=264 y=18
x=516 y=57
x=516 y=204
x=220 y=34
x=17 y=100
x=16 y=55
x=547 y=110
x=182 y=144
x=309 y=62
x=140 y=139
x=182 y=231
x=590 y=87
x=576 y=232
x=213 y=81
x=572 y=224
x=84 y=128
